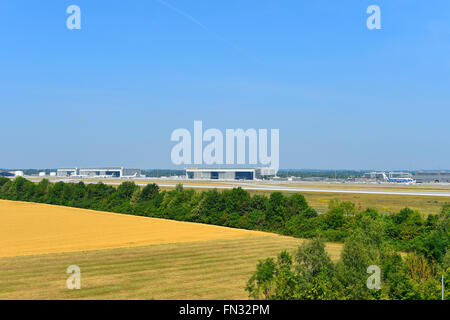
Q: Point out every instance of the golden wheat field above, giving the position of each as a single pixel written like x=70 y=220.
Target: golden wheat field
x=127 y=257
x=32 y=228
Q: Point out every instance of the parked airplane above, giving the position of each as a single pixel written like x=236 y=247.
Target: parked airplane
x=398 y=179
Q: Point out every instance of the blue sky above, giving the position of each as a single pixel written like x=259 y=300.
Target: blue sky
x=111 y=93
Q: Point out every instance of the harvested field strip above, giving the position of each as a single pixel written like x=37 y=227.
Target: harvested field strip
x=214 y=269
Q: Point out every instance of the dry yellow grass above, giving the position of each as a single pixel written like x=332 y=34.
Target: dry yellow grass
x=31 y=228
x=140 y=258
x=214 y=269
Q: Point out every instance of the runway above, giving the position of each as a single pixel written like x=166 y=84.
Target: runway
x=266 y=187
x=296 y=189
x=292 y=189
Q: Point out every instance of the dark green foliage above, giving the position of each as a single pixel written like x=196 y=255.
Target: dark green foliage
x=312 y=275
x=149 y=192
x=41 y=191
x=125 y=190
x=17 y=189
x=3 y=180
x=406 y=225
x=434 y=244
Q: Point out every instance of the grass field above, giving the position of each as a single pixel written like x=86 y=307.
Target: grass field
x=384 y=203
x=214 y=269
x=368 y=186
x=152 y=258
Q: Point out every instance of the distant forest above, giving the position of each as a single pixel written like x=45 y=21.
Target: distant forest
x=324 y=174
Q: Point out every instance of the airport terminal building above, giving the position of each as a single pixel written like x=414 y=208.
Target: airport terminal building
x=432 y=176
x=230 y=173
x=104 y=172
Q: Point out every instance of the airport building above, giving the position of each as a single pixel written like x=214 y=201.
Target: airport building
x=230 y=173
x=104 y=172
x=6 y=174
x=432 y=176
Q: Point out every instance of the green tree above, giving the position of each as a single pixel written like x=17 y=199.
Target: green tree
x=42 y=190
x=361 y=250
x=310 y=277
x=135 y=197
x=79 y=194
x=149 y=192
x=126 y=190
x=3 y=180
x=434 y=245
x=274 y=280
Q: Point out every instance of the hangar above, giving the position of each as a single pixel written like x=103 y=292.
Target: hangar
x=105 y=172
x=230 y=173
x=432 y=176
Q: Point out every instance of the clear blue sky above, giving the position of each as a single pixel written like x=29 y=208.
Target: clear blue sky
x=111 y=93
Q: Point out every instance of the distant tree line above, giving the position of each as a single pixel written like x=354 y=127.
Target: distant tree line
x=323 y=174
x=158 y=173
x=379 y=236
